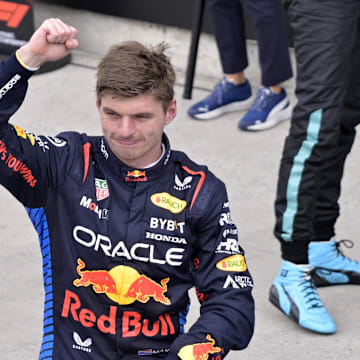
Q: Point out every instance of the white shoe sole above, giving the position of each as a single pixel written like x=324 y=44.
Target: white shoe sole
x=232 y=107
x=275 y=117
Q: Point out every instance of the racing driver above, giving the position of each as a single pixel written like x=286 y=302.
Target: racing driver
x=126 y=225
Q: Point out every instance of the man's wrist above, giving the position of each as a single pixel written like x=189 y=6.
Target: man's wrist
x=27 y=59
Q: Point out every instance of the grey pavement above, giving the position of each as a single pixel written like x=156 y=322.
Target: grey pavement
x=247 y=162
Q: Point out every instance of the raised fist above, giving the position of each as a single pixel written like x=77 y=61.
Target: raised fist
x=52 y=41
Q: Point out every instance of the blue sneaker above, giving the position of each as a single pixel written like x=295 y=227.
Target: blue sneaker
x=330 y=265
x=226 y=97
x=268 y=110
x=296 y=296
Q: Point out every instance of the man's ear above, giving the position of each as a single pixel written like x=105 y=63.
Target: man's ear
x=98 y=103
x=171 y=112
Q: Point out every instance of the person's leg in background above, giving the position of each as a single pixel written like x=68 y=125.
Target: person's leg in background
x=233 y=91
x=331 y=267
x=321 y=135
x=271 y=105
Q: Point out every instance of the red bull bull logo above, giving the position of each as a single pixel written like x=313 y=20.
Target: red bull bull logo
x=143 y=288
x=136 y=176
x=122 y=284
x=200 y=351
x=101 y=280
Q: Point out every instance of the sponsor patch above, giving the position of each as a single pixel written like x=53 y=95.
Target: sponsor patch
x=24 y=134
x=234 y=263
x=182 y=185
x=82 y=345
x=122 y=284
x=229 y=246
x=9 y=85
x=16 y=165
x=87 y=203
x=143 y=252
x=166 y=238
x=132 y=323
x=43 y=144
x=168 y=202
x=153 y=351
x=225 y=219
x=103 y=150
x=102 y=189
x=56 y=141
x=238 y=282
x=136 y=176
x=167 y=224
x=227 y=232
x=199 y=351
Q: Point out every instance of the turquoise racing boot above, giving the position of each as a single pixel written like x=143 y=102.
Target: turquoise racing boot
x=331 y=266
x=296 y=296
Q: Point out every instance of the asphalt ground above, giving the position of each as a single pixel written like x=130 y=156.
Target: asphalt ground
x=247 y=162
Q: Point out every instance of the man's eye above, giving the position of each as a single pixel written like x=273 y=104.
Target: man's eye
x=110 y=113
x=143 y=116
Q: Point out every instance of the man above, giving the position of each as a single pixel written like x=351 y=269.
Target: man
x=233 y=91
x=126 y=225
x=327 y=47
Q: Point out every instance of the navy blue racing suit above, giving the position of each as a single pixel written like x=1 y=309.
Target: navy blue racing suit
x=121 y=247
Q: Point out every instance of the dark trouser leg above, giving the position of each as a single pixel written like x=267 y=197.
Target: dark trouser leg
x=327 y=210
x=324 y=39
x=271 y=34
x=230 y=37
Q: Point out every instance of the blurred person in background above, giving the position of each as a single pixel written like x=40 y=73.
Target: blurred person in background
x=327 y=49
x=233 y=92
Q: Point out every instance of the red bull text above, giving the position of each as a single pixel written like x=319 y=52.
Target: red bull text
x=133 y=323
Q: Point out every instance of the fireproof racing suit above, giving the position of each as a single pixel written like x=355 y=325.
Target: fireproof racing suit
x=121 y=247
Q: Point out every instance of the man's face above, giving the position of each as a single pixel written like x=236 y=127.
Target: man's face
x=133 y=127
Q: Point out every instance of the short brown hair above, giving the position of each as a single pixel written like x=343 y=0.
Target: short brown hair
x=130 y=69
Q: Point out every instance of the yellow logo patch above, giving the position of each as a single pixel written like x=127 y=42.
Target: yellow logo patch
x=22 y=133
x=168 y=202
x=232 y=263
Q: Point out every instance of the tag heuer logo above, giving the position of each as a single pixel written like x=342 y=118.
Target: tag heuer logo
x=102 y=189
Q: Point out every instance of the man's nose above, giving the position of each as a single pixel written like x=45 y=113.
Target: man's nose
x=127 y=127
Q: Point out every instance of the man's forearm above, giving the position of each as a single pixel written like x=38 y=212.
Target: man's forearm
x=28 y=59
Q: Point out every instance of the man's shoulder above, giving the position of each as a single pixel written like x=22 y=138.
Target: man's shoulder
x=74 y=137
x=77 y=142
x=194 y=167
x=80 y=150
x=207 y=184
